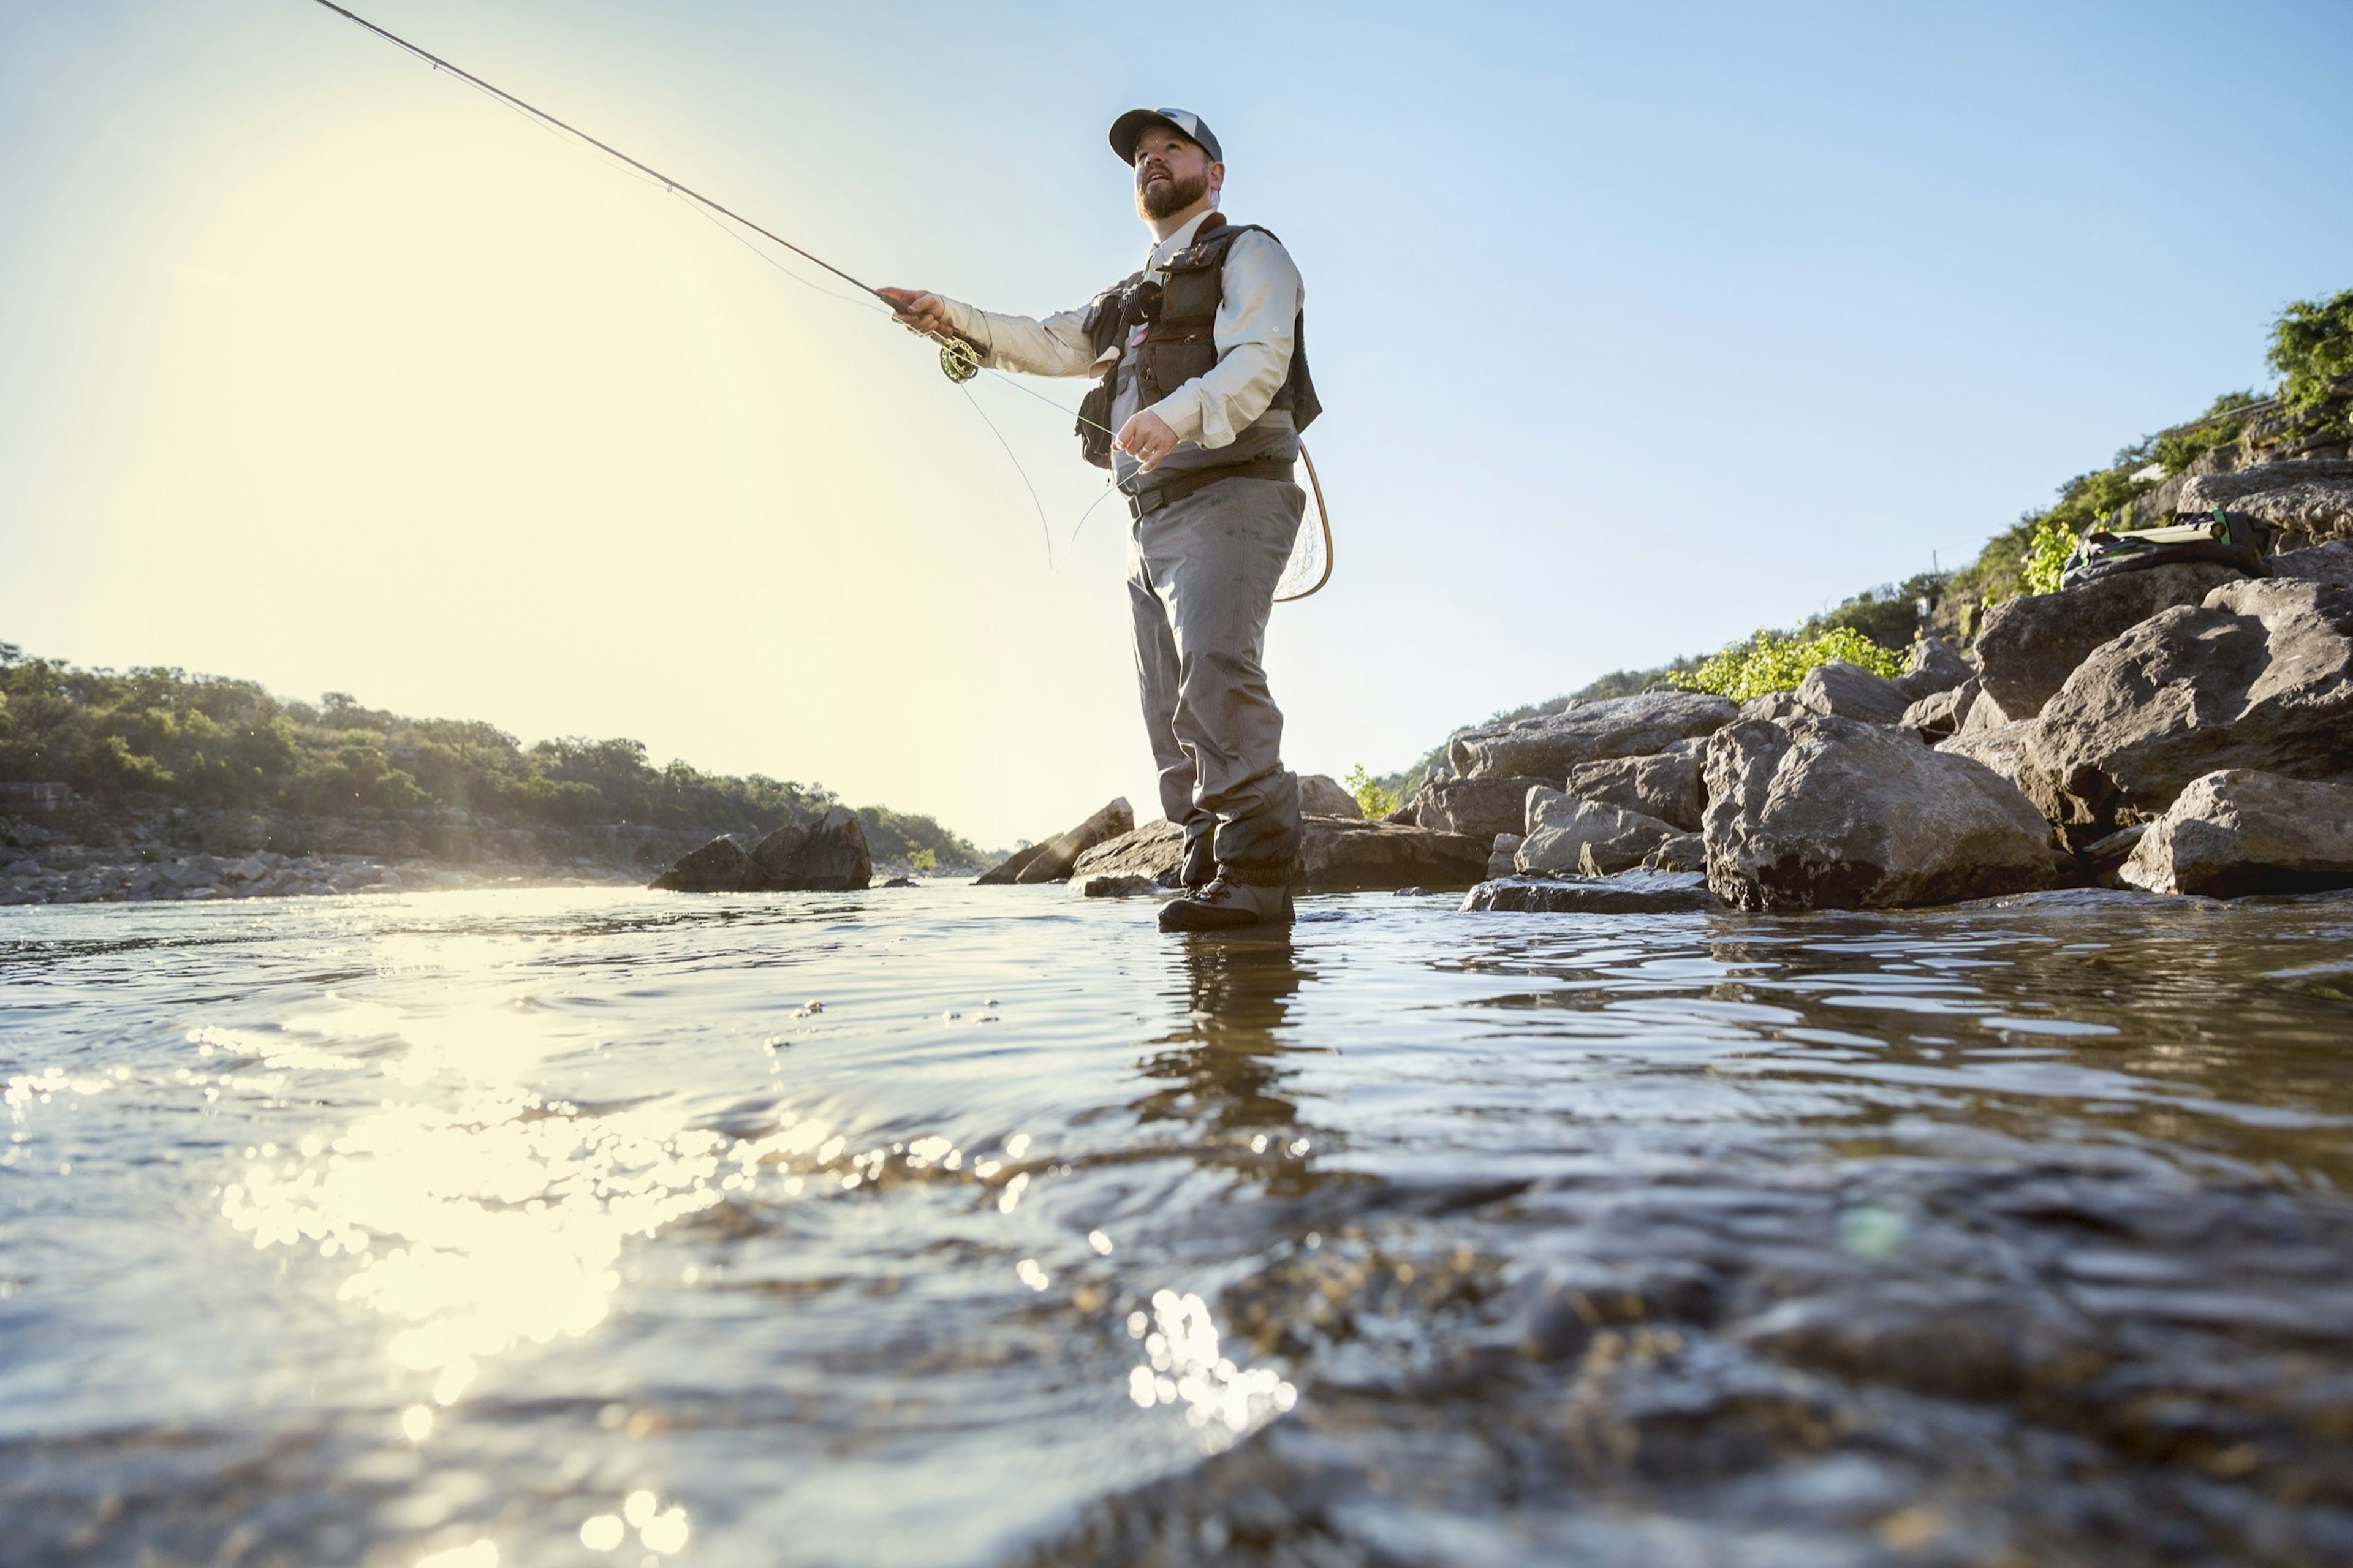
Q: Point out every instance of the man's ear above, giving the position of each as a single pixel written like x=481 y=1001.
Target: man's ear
x=1217 y=178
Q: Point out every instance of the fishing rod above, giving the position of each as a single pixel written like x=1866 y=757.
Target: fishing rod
x=960 y=358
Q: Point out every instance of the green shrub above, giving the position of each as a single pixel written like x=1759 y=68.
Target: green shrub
x=1372 y=798
x=2046 y=556
x=2312 y=346
x=1777 y=662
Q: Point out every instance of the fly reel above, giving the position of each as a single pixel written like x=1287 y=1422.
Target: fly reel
x=960 y=360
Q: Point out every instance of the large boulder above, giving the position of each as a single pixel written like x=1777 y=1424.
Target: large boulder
x=1665 y=786
x=1829 y=812
x=2239 y=831
x=1568 y=834
x=1480 y=807
x=2001 y=748
x=1549 y=746
x=1936 y=667
x=719 y=867
x=2330 y=563
x=1772 y=705
x=1851 y=691
x=2306 y=501
x=2030 y=646
x=1156 y=850
x=827 y=856
x=1347 y=855
x=1053 y=860
x=1321 y=795
x=2260 y=676
x=1627 y=893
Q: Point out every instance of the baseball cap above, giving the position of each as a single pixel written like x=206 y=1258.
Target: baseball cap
x=1128 y=128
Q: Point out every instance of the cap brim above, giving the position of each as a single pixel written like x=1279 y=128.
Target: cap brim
x=1129 y=128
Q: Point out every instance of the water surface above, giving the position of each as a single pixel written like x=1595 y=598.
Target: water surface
x=980 y=1226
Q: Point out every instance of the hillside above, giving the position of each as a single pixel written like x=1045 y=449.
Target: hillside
x=162 y=759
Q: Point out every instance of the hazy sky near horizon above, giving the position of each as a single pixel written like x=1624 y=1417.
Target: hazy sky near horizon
x=1637 y=327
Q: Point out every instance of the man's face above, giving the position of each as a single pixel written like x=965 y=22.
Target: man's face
x=1172 y=173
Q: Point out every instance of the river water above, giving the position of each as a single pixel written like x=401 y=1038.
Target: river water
x=953 y=1226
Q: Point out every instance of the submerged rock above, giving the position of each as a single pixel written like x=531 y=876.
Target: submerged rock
x=1345 y=854
x=2030 y=645
x=1665 y=786
x=1828 y=813
x=1851 y=691
x=719 y=867
x=1156 y=850
x=2239 y=831
x=1480 y=807
x=1627 y=892
x=2260 y=677
x=1568 y=834
x=1548 y=747
x=1054 y=859
x=1117 y=886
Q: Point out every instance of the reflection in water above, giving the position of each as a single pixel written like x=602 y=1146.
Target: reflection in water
x=493 y=1228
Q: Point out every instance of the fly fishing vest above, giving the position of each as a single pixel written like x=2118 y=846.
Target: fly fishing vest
x=1179 y=344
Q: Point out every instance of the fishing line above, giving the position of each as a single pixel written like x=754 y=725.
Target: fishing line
x=960 y=358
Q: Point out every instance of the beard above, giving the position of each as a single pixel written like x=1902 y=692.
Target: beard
x=1172 y=195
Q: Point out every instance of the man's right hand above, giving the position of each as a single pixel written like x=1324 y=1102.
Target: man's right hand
x=916 y=310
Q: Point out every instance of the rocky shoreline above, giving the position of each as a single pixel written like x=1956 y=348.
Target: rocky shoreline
x=80 y=874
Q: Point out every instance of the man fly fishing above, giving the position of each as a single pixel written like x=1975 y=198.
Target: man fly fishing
x=1202 y=392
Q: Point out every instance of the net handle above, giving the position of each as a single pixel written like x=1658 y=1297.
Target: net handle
x=1323 y=519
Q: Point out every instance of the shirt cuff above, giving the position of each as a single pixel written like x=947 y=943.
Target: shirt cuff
x=1182 y=412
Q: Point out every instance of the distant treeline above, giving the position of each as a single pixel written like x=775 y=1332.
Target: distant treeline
x=145 y=737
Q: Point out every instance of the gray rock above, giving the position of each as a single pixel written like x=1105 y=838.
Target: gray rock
x=1500 y=857
x=2001 y=748
x=1058 y=857
x=2260 y=677
x=1480 y=807
x=1830 y=813
x=2106 y=856
x=1936 y=667
x=1851 y=691
x=2307 y=500
x=1665 y=786
x=1568 y=834
x=1156 y=850
x=1940 y=713
x=1984 y=713
x=1345 y=855
x=1321 y=795
x=1116 y=887
x=2330 y=563
x=719 y=867
x=827 y=856
x=1683 y=852
x=2239 y=831
x=1548 y=747
x=1772 y=705
x=1627 y=893
x=2030 y=646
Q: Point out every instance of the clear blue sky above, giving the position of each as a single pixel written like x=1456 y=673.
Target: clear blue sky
x=1637 y=327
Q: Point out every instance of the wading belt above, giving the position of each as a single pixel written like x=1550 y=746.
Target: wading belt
x=1176 y=487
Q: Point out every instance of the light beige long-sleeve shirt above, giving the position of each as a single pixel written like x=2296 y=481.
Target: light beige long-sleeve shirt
x=1257 y=319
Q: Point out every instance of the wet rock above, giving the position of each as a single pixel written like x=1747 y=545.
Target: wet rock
x=1829 y=812
x=1851 y=691
x=2003 y=748
x=1936 y=667
x=2030 y=645
x=1626 y=892
x=2258 y=677
x=1345 y=854
x=1683 y=852
x=1665 y=786
x=1058 y=857
x=1321 y=795
x=827 y=856
x=1156 y=850
x=1482 y=807
x=1548 y=747
x=1568 y=834
x=719 y=867
x=1939 y=714
x=1127 y=887
x=1501 y=857
x=2239 y=831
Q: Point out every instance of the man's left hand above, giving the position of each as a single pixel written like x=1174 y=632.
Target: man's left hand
x=1147 y=438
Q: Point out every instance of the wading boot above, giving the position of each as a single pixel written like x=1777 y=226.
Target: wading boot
x=1226 y=905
